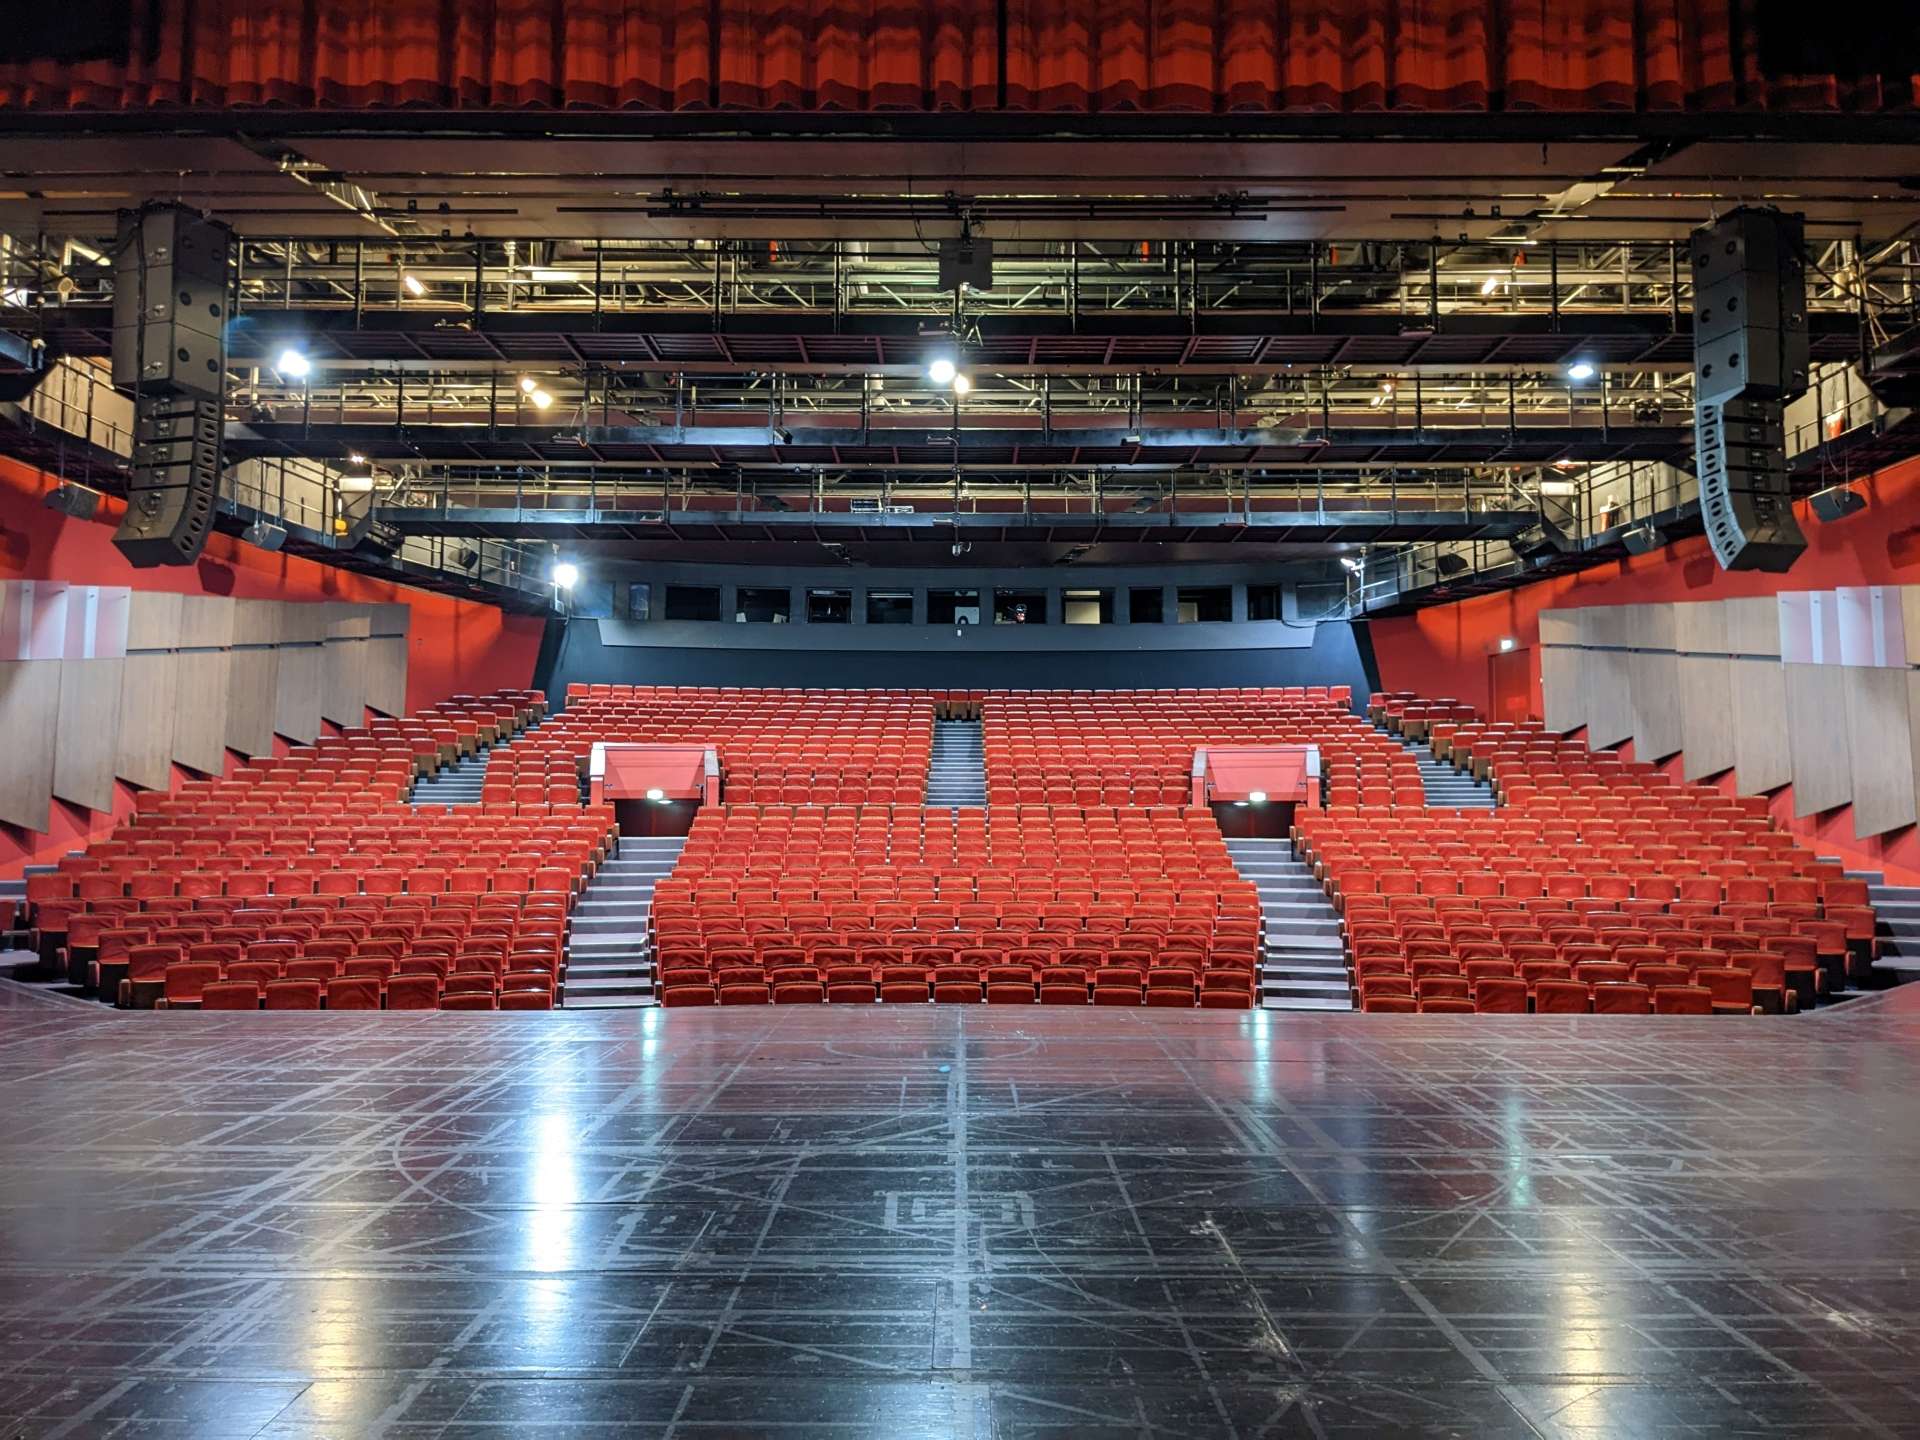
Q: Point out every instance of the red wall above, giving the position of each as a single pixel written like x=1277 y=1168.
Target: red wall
x=1443 y=651
x=454 y=646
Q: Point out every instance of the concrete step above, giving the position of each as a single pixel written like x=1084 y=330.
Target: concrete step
x=583 y=970
x=611 y=1002
x=1318 y=989
x=1305 y=1002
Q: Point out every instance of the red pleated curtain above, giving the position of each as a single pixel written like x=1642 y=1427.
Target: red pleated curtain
x=1061 y=56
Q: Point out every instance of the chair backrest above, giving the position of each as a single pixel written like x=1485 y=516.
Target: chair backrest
x=1682 y=1000
x=1496 y=995
x=353 y=992
x=413 y=992
x=1560 y=997
x=1620 y=997
x=293 y=995
x=230 y=995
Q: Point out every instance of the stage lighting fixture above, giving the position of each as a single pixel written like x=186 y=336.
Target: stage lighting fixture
x=1581 y=370
x=941 y=370
x=566 y=575
x=293 y=364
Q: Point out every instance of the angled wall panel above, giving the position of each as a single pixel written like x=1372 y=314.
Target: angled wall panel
x=1654 y=671
x=1753 y=626
x=148 y=684
x=1880 y=747
x=253 y=681
x=1609 y=683
x=386 y=669
x=206 y=622
x=343 y=688
x=200 y=709
x=1816 y=722
x=1761 y=759
x=88 y=731
x=1563 y=686
x=153 y=620
x=296 y=712
x=1703 y=679
x=29 y=717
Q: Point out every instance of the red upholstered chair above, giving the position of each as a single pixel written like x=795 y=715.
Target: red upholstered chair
x=1498 y=995
x=293 y=995
x=185 y=982
x=354 y=993
x=230 y=995
x=746 y=994
x=413 y=992
x=1226 y=990
x=1560 y=997
x=1615 y=997
x=1171 y=988
x=1731 y=988
x=674 y=997
x=470 y=1000
x=1064 y=985
x=526 y=1000
x=1682 y=1000
x=799 y=992
x=1446 y=1005
x=1443 y=987
x=1115 y=986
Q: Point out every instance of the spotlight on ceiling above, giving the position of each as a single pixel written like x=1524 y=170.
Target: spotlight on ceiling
x=656 y=794
x=961 y=384
x=1581 y=370
x=566 y=575
x=528 y=384
x=415 y=285
x=1258 y=797
x=941 y=370
x=540 y=399
x=293 y=364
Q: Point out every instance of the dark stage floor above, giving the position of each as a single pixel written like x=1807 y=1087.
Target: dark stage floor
x=936 y=1221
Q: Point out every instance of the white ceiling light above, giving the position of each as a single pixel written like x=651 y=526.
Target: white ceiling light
x=415 y=285
x=1490 y=284
x=293 y=364
x=1258 y=797
x=528 y=384
x=1581 y=370
x=540 y=398
x=566 y=574
x=356 y=484
x=941 y=370
x=961 y=384
x=656 y=794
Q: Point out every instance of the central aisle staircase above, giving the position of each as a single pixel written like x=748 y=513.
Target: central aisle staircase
x=1302 y=963
x=957 y=772
x=609 y=950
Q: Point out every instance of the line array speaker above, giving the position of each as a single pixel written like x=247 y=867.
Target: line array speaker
x=1746 y=500
x=170 y=349
x=1750 y=357
x=175 y=480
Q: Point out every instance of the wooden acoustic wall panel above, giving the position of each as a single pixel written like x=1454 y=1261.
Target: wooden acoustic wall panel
x=206 y=622
x=389 y=619
x=29 y=720
x=1761 y=759
x=297 y=708
x=1654 y=673
x=153 y=620
x=148 y=684
x=1703 y=681
x=253 y=694
x=200 y=704
x=1561 y=664
x=1609 y=682
x=343 y=687
x=1822 y=768
x=386 y=673
x=1880 y=748
x=89 y=732
x=1753 y=626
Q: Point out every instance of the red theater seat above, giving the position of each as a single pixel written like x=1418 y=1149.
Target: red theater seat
x=229 y=995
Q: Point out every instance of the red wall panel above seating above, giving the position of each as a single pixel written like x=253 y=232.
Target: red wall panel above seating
x=939 y=55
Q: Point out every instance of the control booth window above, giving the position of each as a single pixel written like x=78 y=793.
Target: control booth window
x=829 y=607
x=1146 y=606
x=1019 y=607
x=693 y=602
x=640 y=600
x=763 y=605
x=889 y=607
x=1263 y=602
x=1086 y=607
x=1205 y=603
x=953 y=607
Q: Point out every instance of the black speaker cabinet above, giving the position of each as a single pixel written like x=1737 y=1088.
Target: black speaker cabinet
x=1750 y=306
x=174 y=483
x=1746 y=500
x=170 y=302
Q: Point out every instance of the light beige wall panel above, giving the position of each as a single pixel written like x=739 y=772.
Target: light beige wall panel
x=259 y=622
x=343 y=682
x=296 y=712
x=389 y=619
x=1655 y=677
x=304 y=622
x=253 y=682
x=1880 y=748
x=1705 y=685
x=386 y=670
x=1560 y=627
x=148 y=685
x=1609 y=687
x=206 y=622
x=1700 y=629
x=1817 y=737
x=29 y=720
x=200 y=710
x=89 y=732
x=1753 y=626
x=1563 y=686
x=1760 y=756
x=153 y=620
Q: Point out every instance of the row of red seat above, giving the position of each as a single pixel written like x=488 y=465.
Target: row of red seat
x=947 y=985
x=408 y=992
x=1550 y=997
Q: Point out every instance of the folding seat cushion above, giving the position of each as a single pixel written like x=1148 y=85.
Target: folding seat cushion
x=526 y=1000
x=679 y=995
x=1500 y=997
x=468 y=1000
x=1656 y=976
x=1113 y=986
x=463 y=982
x=1537 y=972
x=1385 y=985
x=1615 y=997
x=1477 y=970
x=527 y=980
x=1389 y=1005
x=305 y=969
x=185 y=981
x=1226 y=990
x=799 y=992
x=1433 y=987
x=230 y=995
x=1682 y=1000
x=1446 y=1005
x=1560 y=997
x=1602 y=972
x=293 y=995
x=1732 y=989
x=1171 y=988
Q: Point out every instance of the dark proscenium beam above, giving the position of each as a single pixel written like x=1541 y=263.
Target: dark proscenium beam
x=1357 y=524
x=982 y=446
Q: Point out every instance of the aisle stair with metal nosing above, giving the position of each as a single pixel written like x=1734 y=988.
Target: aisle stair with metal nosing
x=1896 y=910
x=957 y=769
x=1446 y=787
x=1303 y=962
x=609 y=948
x=456 y=784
